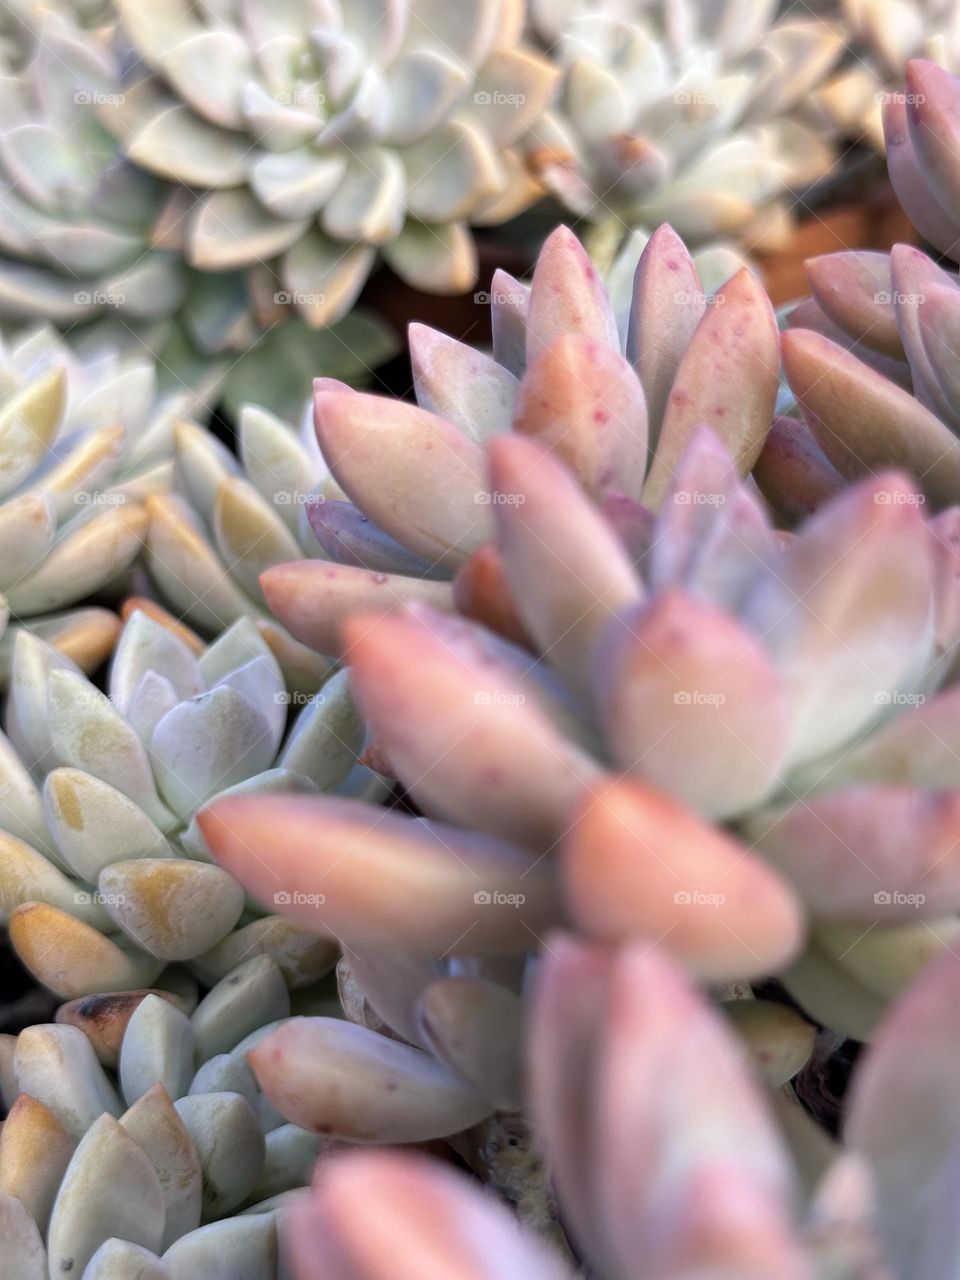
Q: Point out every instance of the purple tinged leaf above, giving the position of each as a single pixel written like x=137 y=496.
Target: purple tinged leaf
x=808 y=314
x=904 y=1116
x=793 y=473
x=933 y=119
x=914 y=275
x=566 y=569
x=668 y=304
x=633 y=525
x=939 y=327
x=727 y=380
x=392 y=982
x=845 y=610
x=583 y=402
x=920 y=747
x=416 y=475
x=863 y=422
x=854 y=290
x=457 y=382
x=936 y=224
x=509 y=303
x=876 y=854
x=692 y=704
x=351 y=538
x=567 y=296
x=476 y=1028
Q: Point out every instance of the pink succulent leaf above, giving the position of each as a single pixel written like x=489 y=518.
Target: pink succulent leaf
x=463 y=728
x=475 y=1028
x=939 y=328
x=636 y=864
x=391 y=982
x=414 y=474
x=903 y=1116
x=711 y=534
x=727 y=380
x=691 y=703
x=481 y=593
x=919 y=747
x=567 y=296
x=863 y=422
x=461 y=384
x=855 y=292
x=933 y=119
x=793 y=473
x=840 y=1231
x=870 y=853
x=845 y=611
x=334 y=1077
x=583 y=402
x=688 y=1174
x=391 y=1215
x=914 y=275
x=313 y=598
x=944 y=531
x=343 y=868
x=351 y=538
x=808 y=314
x=935 y=221
x=509 y=302
x=668 y=304
x=633 y=524
x=566 y=569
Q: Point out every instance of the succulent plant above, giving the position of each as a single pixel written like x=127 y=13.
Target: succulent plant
x=667 y=1167
x=85 y=438
x=329 y=133
x=135 y=1131
x=81 y=242
x=228 y=519
x=105 y=877
x=415 y=476
x=882 y=36
x=682 y=113
x=870 y=356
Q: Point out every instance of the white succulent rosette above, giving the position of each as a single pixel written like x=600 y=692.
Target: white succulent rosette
x=84 y=440
x=311 y=135
x=228 y=518
x=681 y=113
x=105 y=880
x=883 y=35
x=138 y=1144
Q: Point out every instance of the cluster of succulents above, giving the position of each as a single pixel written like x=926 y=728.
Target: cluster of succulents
x=683 y=113
x=594 y=717
x=106 y=879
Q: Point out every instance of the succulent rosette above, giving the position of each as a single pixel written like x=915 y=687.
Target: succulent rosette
x=87 y=236
x=869 y=357
x=308 y=137
x=137 y=1143
x=667 y=1168
x=415 y=476
x=106 y=880
x=682 y=113
x=85 y=439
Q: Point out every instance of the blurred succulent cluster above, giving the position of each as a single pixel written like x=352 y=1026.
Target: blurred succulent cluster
x=106 y=879
x=881 y=37
x=135 y=1130
x=684 y=113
